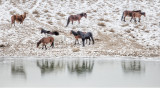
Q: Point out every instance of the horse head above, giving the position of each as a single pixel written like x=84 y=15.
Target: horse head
x=143 y=13
x=71 y=32
x=85 y=15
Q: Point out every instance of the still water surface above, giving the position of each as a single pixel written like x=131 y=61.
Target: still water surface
x=81 y=72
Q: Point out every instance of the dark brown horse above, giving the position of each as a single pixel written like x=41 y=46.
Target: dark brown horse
x=85 y=36
x=129 y=13
x=134 y=15
x=76 y=17
x=76 y=36
x=18 y=18
x=45 y=41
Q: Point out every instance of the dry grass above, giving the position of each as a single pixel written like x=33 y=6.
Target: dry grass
x=37 y=15
x=73 y=27
x=13 y=12
x=49 y=15
x=61 y=14
x=144 y=27
x=102 y=24
x=147 y=31
x=50 y=22
x=101 y=19
x=89 y=11
x=94 y=10
x=24 y=1
x=112 y=30
x=132 y=35
x=35 y=12
x=75 y=49
x=128 y=31
x=46 y=11
x=124 y=25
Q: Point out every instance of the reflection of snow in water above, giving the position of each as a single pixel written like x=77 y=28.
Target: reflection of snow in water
x=78 y=71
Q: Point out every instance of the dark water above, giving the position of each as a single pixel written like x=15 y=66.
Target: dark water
x=79 y=72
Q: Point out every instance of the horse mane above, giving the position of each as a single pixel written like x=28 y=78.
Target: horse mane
x=82 y=14
x=80 y=33
x=142 y=13
x=74 y=33
x=136 y=10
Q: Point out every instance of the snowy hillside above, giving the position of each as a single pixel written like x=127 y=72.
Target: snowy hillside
x=112 y=36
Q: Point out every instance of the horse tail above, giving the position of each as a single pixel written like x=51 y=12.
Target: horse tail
x=39 y=43
x=92 y=38
x=122 y=16
x=68 y=21
x=13 y=18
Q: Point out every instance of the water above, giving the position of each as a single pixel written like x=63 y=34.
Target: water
x=79 y=72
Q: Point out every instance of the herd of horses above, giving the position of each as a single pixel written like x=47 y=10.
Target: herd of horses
x=77 y=34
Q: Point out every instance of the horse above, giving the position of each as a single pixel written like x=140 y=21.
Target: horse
x=76 y=17
x=134 y=15
x=46 y=40
x=84 y=36
x=48 y=32
x=44 y=31
x=129 y=13
x=18 y=18
x=76 y=36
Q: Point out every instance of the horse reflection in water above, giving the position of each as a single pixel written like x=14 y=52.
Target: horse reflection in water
x=48 y=66
x=18 y=69
x=132 y=66
x=80 y=67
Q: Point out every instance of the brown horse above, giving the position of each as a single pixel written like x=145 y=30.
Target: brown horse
x=45 y=41
x=134 y=15
x=129 y=13
x=76 y=36
x=76 y=17
x=18 y=18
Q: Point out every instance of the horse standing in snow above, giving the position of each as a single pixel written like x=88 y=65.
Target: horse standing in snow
x=129 y=13
x=134 y=15
x=45 y=41
x=76 y=36
x=76 y=17
x=18 y=18
x=85 y=36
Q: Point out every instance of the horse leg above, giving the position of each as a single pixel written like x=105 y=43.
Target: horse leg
x=45 y=47
x=135 y=20
x=131 y=19
x=79 y=21
x=139 y=19
x=52 y=44
x=89 y=41
x=75 y=42
x=72 y=22
x=86 y=41
x=83 y=40
x=124 y=19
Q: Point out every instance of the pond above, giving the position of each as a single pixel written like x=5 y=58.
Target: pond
x=79 y=72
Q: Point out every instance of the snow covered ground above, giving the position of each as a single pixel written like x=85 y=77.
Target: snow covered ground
x=112 y=36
